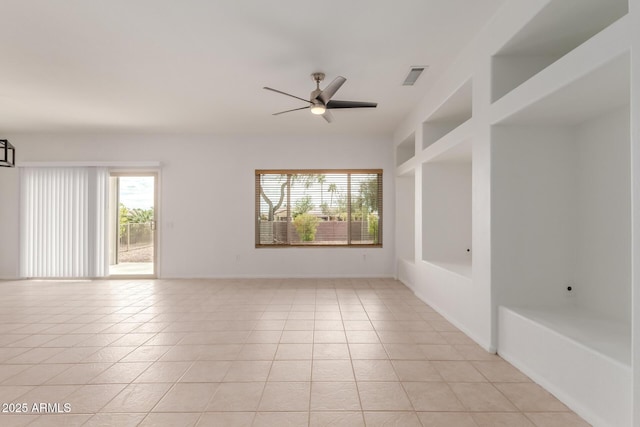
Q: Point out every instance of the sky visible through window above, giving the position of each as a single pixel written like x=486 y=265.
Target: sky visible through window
x=136 y=192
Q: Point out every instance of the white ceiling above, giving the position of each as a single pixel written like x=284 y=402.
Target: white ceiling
x=167 y=66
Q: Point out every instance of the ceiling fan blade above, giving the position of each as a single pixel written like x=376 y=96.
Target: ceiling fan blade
x=350 y=104
x=331 y=90
x=327 y=116
x=288 y=111
x=288 y=94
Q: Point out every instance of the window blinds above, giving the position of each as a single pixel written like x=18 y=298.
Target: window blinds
x=64 y=222
x=318 y=207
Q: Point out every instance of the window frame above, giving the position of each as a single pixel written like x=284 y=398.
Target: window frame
x=349 y=172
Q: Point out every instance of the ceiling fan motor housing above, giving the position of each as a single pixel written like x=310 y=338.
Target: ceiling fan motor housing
x=314 y=97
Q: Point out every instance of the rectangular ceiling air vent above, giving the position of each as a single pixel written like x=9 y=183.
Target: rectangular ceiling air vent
x=413 y=75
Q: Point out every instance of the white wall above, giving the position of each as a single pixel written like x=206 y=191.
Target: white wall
x=533 y=202
x=603 y=236
x=405 y=217
x=9 y=215
x=634 y=7
x=207 y=199
x=446 y=212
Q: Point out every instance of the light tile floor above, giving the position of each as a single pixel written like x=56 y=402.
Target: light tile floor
x=348 y=352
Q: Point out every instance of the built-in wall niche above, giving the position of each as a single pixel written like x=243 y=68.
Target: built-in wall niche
x=405 y=216
x=556 y=30
x=456 y=110
x=446 y=209
x=561 y=208
x=406 y=150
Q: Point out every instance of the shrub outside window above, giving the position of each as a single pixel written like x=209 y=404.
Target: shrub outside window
x=318 y=208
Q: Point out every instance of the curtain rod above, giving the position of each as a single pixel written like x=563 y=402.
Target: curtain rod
x=115 y=164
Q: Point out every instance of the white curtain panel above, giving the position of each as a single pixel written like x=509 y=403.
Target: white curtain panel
x=64 y=222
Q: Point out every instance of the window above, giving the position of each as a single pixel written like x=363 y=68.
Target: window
x=318 y=208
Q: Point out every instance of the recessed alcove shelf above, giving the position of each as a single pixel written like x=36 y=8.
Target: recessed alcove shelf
x=597 y=62
x=405 y=216
x=446 y=209
x=561 y=215
x=407 y=167
x=603 y=89
x=406 y=150
x=562 y=196
x=556 y=30
x=556 y=347
x=453 y=112
x=449 y=145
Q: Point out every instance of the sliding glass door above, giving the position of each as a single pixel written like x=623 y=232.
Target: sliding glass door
x=132 y=224
x=87 y=222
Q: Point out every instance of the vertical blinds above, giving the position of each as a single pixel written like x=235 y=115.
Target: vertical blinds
x=64 y=219
x=318 y=207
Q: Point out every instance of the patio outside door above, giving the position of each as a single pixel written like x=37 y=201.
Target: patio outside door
x=132 y=224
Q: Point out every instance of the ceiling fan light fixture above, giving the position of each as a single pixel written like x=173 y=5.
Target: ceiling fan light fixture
x=318 y=109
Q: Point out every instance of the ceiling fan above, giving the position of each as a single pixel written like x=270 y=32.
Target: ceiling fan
x=320 y=100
